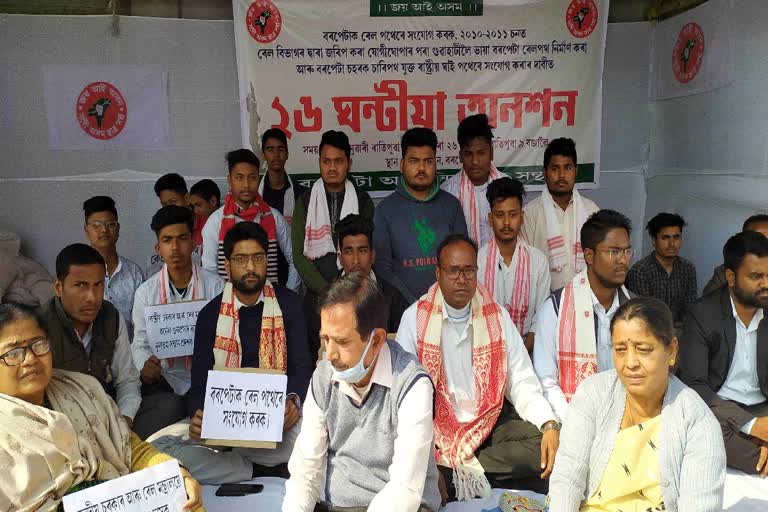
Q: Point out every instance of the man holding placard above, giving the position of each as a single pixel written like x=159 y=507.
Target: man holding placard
x=367 y=420
x=166 y=380
x=255 y=325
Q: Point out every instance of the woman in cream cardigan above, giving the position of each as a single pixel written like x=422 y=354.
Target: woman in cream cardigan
x=636 y=438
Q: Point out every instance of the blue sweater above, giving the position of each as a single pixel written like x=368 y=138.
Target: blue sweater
x=406 y=237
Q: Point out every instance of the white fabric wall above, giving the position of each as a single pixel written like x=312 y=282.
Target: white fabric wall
x=41 y=191
x=709 y=158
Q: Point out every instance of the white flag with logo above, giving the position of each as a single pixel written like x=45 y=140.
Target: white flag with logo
x=692 y=52
x=107 y=107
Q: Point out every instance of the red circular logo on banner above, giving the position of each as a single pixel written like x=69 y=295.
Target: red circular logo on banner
x=581 y=17
x=263 y=21
x=688 y=53
x=101 y=110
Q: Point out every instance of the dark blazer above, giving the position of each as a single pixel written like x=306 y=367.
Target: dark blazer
x=707 y=346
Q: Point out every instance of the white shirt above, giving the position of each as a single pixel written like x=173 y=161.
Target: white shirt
x=283 y=233
x=505 y=280
x=452 y=186
x=535 y=232
x=408 y=469
x=125 y=376
x=120 y=288
x=545 y=349
x=522 y=387
x=179 y=376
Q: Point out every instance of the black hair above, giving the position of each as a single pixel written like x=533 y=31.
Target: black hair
x=562 y=147
x=76 y=254
x=245 y=231
x=454 y=239
x=337 y=139
x=352 y=225
x=171 y=181
x=206 y=189
x=599 y=224
x=664 y=220
x=418 y=137
x=239 y=156
x=741 y=244
x=760 y=218
x=10 y=313
x=170 y=215
x=504 y=188
x=98 y=204
x=653 y=313
x=474 y=127
x=274 y=133
x=365 y=295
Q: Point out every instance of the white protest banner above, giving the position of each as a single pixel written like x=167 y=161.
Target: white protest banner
x=171 y=328
x=244 y=405
x=692 y=52
x=158 y=488
x=106 y=107
x=375 y=68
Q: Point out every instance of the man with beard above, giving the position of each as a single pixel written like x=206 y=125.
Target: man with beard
x=573 y=327
x=554 y=219
x=412 y=220
x=757 y=223
x=251 y=324
x=724 y=352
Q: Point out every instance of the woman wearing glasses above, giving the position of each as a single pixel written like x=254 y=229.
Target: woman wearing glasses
x=636 y=438
x=59 y=431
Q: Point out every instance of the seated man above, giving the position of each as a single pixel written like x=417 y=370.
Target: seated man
x=724 y=350
x=269 y=332
x=757 y=223
x=165 y=382
x=663 y=274
x=573 y=327
x=476 y=359
x=514 y=273
x=123 y=277
x=276 y=187
x=367 y=422
x=86 y=333
x=204 y=198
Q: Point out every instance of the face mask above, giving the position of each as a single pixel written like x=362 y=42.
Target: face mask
x=358 y=372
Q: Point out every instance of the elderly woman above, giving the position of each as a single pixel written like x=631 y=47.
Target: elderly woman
x=636 y=438
x=59 y=431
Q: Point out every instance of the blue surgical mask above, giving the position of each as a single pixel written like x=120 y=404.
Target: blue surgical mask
x=358 y=372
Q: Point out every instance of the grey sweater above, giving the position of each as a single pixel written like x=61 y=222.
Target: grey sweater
x=691 y=450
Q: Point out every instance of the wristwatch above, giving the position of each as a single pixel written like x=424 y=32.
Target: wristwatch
x=550 y=425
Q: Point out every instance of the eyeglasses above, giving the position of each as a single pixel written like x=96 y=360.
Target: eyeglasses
x=453 y=272
x=615 y=253
x=241 y=260
x=111 y=225
x=16 y=356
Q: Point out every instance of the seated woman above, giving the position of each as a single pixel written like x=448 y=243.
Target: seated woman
x=636 y=438
x=59 y=431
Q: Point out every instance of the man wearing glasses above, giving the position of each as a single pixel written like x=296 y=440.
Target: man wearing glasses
x=122 y=276
x=573 y=327
x=476 y=358
x=251 y=324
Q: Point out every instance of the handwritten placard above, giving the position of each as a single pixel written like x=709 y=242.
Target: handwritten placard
x=245 y=405
x=159 y=488
x=171 y=328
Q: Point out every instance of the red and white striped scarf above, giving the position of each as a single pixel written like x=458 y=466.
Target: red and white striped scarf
x=468 y=203
x=273 y=349
x=194 y=291
x=518 y=304
x=457 y=442
x=318 y=232
x=556 y=250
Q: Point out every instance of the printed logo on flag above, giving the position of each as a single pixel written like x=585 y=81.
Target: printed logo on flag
x=688 y=53
x=263 y=21
x=101 y=110
x=581 y=17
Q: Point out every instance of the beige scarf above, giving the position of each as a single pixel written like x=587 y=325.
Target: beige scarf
x=43 y=453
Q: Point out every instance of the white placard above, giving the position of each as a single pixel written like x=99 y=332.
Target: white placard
x=244 y=406
x=171 y=328
x=159 y=488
